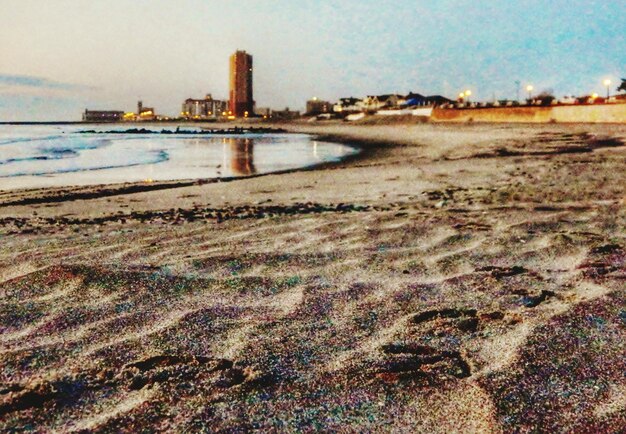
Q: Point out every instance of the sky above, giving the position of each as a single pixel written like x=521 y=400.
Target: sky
x=58 y=57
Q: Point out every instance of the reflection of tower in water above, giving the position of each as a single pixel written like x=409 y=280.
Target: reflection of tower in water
x=242 y=156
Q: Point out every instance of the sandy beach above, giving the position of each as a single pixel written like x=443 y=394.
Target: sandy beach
x=449 y=278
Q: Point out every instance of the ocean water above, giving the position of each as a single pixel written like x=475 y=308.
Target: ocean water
x=33 y=156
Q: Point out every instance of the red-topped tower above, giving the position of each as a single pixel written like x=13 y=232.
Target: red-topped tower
x=241 y=100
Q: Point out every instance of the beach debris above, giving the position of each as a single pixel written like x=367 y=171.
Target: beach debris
x=180 y=215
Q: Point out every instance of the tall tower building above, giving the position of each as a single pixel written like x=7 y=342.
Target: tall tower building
x=241 y=101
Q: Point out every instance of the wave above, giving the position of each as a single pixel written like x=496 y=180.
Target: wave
x=35 y=158
x=52 y=154
x=75 y=146
x=159 y=157
x=48 y=152
x=29 y=139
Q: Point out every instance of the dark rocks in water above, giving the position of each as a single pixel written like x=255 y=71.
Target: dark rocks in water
x=234 y=130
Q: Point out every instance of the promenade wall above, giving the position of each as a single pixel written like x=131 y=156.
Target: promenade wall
x=600 y=113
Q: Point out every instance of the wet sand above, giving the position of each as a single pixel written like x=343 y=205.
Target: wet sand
x=465 y=278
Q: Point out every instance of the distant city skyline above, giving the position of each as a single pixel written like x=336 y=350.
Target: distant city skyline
x=58 y=58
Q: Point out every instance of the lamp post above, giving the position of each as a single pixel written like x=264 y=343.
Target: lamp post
x=468 y=93
x=530 y=88
x=607 y=83
x=462 y=96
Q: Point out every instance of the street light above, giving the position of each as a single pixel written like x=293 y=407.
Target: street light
x=468 y=93
x=607 y=83
x=462 y=96
x=530 y=88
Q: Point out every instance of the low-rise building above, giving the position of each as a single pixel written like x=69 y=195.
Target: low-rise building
x=285 y=114
x=418 y=100
x=207 y=108
x=376 y=102
x=264 y=112
x=145 y=113
x=372 y=103
x=415 y=99
x=315 y=106
x=389 y=102
x=102 y=115
x=348 y=105
x=568 y=100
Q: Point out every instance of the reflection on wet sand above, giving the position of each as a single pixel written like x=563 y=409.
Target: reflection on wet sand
x=242 y=156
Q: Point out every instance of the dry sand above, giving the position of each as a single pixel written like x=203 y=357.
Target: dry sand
x=465 y=278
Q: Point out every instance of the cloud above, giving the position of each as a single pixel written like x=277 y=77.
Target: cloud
x=25 y=97
x=31 y=107
x=21 y=82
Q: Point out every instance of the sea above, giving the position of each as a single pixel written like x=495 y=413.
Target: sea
x=39 y=156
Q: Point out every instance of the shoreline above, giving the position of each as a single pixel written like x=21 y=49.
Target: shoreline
x=90 y=191
x=94 y=191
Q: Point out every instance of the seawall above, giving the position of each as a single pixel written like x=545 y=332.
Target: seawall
x=601 y=113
